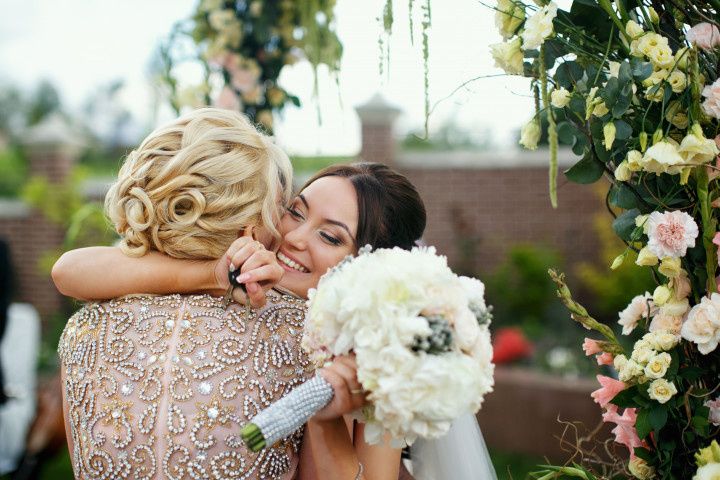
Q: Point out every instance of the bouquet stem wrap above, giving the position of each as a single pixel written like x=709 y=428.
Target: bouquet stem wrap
x=288 y=414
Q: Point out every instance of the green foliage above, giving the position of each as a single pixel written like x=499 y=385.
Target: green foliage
x=450 y=136
x=520 y=290
x=13 y=171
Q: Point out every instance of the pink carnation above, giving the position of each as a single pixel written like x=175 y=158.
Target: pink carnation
x=625 y=432
x=671 y=233
x=591 y=347
x=704 y=35
x=714 y=406
x=711 y=105
x=610 y=387
x=605 y=359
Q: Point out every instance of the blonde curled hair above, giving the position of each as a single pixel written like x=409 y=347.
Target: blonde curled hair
x=192 y=185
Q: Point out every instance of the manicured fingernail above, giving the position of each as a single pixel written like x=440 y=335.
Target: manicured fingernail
x=232 y=267
x=243 y=278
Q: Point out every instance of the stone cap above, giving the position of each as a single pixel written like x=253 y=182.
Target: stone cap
x=54 y=132
x=377 y=111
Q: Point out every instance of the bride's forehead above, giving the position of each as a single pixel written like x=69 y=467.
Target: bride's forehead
x=333 y=197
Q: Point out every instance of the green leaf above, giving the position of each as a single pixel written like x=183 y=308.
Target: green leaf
x=622 y=196
x=640 y=70
x=610 y=93
x=625 y=74
x=568 y=74
x=623 y=130
x=624 y=225
x=580 y=145
x=587 y=170
x=566 y=132
x=642 y=424
x=621 y=106
x=625 y=399
x=657 y=417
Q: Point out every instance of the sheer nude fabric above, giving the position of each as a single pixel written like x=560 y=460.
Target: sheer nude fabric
x=159 y=386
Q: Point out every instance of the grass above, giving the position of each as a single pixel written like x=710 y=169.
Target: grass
x=509 y=466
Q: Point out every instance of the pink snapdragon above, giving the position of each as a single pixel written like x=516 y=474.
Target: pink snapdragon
x=605 y=359
x=704 y=35
x=609 y=388
x=591 y=347
x=625 y=432
x=671 y=233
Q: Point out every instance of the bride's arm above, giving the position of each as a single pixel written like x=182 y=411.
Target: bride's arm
x=328 y=450
x=96 y=273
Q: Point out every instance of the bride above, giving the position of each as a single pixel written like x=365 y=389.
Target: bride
x=157 y=386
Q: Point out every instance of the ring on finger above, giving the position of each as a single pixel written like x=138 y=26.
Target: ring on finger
x=357 y=391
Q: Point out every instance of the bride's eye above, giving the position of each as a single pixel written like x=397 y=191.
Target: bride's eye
x=294 y=212
x=330 y=239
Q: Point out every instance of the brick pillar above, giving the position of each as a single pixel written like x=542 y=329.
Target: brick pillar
x=52 y=149
x=376 y=118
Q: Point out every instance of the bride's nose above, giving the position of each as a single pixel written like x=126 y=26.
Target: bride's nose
x=298 y=237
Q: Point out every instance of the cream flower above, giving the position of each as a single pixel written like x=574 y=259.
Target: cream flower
x=650 y=42
x=609 y=131
x=661 y=390
x=645 y=257
x=530 y=134
x=670 y=267
x=661 y=295
x=661 y=56
x=600 y=110
x=662 y=340
x=711 y=471
x=508 y=56
x=668 y=323
x=676 y=307
x=711 y=105
x=539 y=27
x=663 y=157
x=642 y=354
x=623 y=173
x=696 y=149
x=633 y=29
x=614 y=68
x=703 y=324
x=640 y=469
x=671 y=233
x=681 y=57
x=634 y=160
x=704 y=35
x=658 y=365
x=560 y=98
x=656 y=77
x=639 y=307
x=677 y=81
x=630 y=371
x=508 y=17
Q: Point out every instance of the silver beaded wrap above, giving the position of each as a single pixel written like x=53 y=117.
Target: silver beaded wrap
x=291 y=412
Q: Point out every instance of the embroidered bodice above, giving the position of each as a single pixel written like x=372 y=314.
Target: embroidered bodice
x=159 y=386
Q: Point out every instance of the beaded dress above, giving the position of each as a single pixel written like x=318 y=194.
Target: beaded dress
x=159 y=386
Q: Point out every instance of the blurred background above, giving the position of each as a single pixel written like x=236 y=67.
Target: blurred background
x=81 y=83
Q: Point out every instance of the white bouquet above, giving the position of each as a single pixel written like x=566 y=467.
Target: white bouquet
x=420 y=336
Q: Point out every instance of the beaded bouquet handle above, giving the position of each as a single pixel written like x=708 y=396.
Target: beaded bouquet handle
x=288 y=414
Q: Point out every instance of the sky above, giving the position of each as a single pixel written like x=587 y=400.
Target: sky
x=81 y=45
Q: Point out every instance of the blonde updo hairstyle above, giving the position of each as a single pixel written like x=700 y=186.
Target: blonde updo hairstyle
x=192 y=185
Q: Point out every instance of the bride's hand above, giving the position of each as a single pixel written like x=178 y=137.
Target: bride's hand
x=348 y=392
x=253 y=265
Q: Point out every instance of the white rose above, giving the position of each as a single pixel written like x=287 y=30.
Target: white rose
x=642 y=354
x=508 y=56
x=703 y=324
x=663 y=157
x=630 y=370
x=539 y=27
x=508 y=17
x=530 y=134
x=560 y=98
x=661 y=390
x=711 y=471
x=664 y=340
x=619 y=362
x=658 y=365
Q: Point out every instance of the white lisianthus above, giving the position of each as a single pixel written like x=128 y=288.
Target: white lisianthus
x=661 y=295
x=711 y=471
x=508 y=56
x=663 y=157
x=646 y=258
x=661 y=56
x=658 y=365
x=381 y=306
x=633 y=29
x=642 y=221
x=609 y=131
x=661 y=390
x=670 y=267
x=600 y=110
x=634 y=160
x=681 y=57
x=677 y=81
x=650 y=42
x=509 y=15
x=703 y=324
x=530 y=134
x=695 y=149
x=560 y=97
x=623 y=173
x=539 y=27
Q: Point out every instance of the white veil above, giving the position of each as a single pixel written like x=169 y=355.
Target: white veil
x=459 y=455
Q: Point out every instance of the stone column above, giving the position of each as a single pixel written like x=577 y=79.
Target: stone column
x=52 y=148
x=377 y=117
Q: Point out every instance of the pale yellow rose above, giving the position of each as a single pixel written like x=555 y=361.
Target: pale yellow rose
x=658 y=365
x=640 y=469
x=646 y=258
x=676 y=307
x=634 y=160
x=670 y=267
x=663 y=157
x=530 y=134
x=661 y=390
x=695 y=149
x=609 y=131
x=677 y=81
x=508 y=56
x=655 y=93
x=630 y=371
x=508 y=17
x=560 y=98
x=623 y=173
x=642 y=354
x=661 y=56
x=663 y=340
x=666 y=323
x=650 y=42
x=633 y=29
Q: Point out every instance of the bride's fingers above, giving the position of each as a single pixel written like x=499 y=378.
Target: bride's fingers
x=243 y=254
x=234 y=248
x=256 y=295
x=267 y=276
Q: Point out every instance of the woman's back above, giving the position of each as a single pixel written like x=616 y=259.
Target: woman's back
x=159 y=386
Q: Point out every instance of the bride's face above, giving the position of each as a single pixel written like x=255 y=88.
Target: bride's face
x=319 y=229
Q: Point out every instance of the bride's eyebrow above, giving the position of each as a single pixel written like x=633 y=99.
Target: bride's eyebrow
x=327 y=220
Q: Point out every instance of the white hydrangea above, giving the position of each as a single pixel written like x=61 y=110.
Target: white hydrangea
x=377 y=305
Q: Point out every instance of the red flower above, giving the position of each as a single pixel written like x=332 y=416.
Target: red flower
x=510 y=344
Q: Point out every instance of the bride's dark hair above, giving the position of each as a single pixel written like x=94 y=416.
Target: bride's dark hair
x=390 y=210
